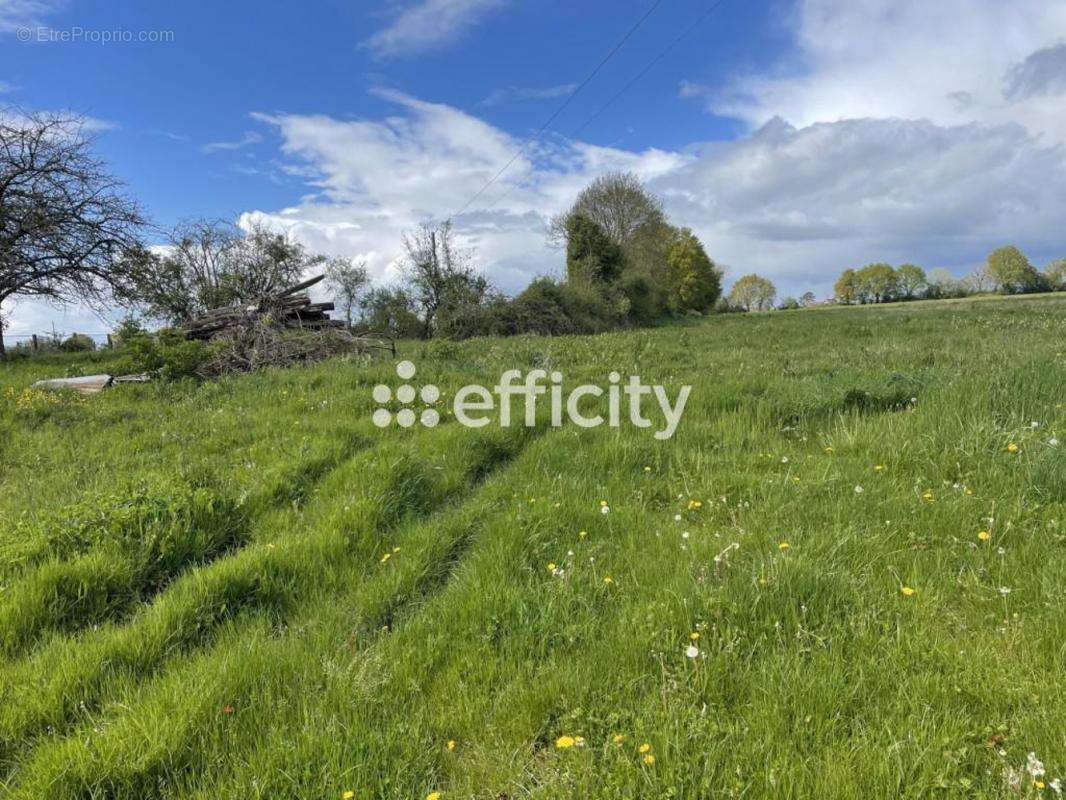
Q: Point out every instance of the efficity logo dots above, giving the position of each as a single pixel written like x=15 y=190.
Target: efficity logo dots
x=406 y=394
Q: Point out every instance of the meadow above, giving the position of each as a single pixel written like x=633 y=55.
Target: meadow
x=842 y=578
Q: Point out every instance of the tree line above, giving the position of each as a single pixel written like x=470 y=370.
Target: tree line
x=1006 y=270
x=69 y=232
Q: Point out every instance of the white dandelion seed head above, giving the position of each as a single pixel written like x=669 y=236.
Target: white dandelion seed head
x=605 y=509
x=858 y=489
x=692 y=651
x=677 y=517
x=1034 y=766
x=1053 y=442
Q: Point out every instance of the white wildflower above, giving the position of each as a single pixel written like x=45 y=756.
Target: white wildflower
x=1034 y=766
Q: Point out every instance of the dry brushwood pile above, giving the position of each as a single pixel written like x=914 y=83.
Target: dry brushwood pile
x=280 y=329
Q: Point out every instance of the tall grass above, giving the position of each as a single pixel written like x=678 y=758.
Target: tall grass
x=306 y=605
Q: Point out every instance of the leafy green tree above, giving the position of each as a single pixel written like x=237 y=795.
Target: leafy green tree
x=1011 y=270
x=618 y=203
x=877 y=282
x=846 y=289
x=753 y=293
x=591 y=257
x=911 y=280
x=807 y=299
x=695 y=282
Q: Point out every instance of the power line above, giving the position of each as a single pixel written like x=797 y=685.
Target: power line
x=651 y=64
x=632 y=81
x=561 y=108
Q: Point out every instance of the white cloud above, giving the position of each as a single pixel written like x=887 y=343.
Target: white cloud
x=247 y=139
x=15 y=14
x=513 y=94
x=429 y=25
x=376 y=179
x=904 y=58
x=798 y=204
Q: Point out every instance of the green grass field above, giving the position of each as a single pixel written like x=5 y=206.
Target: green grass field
x=244 y=589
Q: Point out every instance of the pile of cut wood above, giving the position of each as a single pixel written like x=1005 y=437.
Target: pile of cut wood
x=291 y=308
x=280 y=329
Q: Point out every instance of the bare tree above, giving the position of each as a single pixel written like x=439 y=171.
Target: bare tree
x=64 y=221
x=209 y=264
x=440 y=275
x=979 y=280
x=349 y=280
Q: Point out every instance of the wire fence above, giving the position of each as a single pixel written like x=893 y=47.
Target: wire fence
x=53 y=338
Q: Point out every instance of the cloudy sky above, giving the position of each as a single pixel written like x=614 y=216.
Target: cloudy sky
x=796 y=137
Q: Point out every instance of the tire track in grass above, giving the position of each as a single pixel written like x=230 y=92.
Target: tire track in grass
x=434 y=545
x=266 y=580
x=394 y=591
x=101 y=559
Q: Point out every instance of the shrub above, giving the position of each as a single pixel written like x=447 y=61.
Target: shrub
x=166 y=354
x=78 y=343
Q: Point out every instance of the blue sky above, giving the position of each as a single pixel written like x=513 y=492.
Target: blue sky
x=797 y=137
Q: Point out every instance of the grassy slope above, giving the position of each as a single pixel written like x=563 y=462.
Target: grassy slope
x=194 y=601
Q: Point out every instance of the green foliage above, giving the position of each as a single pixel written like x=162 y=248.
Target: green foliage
x=390 y=311
x=1055 y=274
x=1011 y=271
x=846 y=289
x=381 y=593
x=166 y=354
x=876 y=283
x=753 y=293
x=591 y=257
x=695 y=283
x=910 y=280
x=78 y=343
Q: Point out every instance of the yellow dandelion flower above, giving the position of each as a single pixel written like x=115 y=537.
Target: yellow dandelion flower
x=582 y=534
x=647 y=469
x=386 y=557
x=564 y=742
x=906 y=591
x=879 y=468
x=649 y=759
x=618 y=738
x=927 y=495
x=551 y=566
x=396 y=549
x=348 y=795
x=968 y=491
x=603 y=503
x=451 y=744
x=1012 y=448
x=433 y=796
x=644 y=748
x=984 y=536
x=783 y=546
x=694 y=636
x=608 y=579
